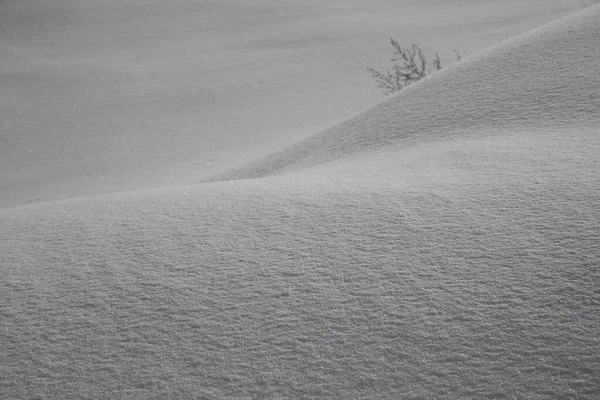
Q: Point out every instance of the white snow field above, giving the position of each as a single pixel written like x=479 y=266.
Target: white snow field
x=106 y=96
x=444 y=243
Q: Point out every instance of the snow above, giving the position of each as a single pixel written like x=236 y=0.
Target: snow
x=101 y=97
x=540 y=80
x=444 y=243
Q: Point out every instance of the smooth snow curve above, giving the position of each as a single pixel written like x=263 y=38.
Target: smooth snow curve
x=107 y=96
x=443 y=244
x=541 y=80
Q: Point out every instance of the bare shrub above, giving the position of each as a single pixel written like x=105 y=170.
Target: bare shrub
x=409 y=66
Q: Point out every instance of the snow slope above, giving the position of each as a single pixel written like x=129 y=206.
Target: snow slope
x=541 y=80
x=442 y=244
x=105 y=96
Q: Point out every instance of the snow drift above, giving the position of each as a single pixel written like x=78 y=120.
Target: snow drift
x=100 y=97
x=545 y=78
x=445 y=243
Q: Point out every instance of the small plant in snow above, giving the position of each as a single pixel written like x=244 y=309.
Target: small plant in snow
x=409 y=67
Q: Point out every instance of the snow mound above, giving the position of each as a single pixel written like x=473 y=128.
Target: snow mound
x=544 y=78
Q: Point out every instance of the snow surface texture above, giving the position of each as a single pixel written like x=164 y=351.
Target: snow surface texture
x=443 y=244
x=106 y=96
